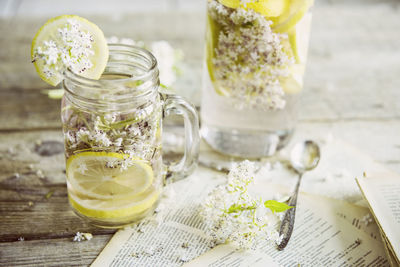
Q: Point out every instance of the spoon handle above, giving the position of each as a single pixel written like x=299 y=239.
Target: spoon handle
x=287 y=224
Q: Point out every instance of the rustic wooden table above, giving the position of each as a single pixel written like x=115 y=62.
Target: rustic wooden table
x=352 y=92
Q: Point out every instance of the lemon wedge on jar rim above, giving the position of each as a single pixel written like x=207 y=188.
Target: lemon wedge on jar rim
x=99 y=188
x=69 y=41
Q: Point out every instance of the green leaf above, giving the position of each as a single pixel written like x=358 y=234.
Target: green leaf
x=234 y=208
x=276 y=206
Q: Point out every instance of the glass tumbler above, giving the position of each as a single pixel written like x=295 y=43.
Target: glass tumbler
x=113 y=130
x=253 y=74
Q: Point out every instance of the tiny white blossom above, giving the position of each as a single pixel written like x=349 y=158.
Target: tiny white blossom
x=79 y=237
x=367 y=219
x=82 y=168
x=118 y=142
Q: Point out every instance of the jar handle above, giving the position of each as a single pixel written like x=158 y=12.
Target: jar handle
x=176 y=105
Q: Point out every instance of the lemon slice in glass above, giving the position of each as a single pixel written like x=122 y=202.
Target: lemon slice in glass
x=100 y=188
x=292 y=15
x=99 y=175
x=115 y=208
x=299 y=38
x=269 y=8
x=72 y=42
x=230 y=3
x=293 y=84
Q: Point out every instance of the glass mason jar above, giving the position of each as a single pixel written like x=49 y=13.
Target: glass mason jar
x=254 y=66
x=112 y=130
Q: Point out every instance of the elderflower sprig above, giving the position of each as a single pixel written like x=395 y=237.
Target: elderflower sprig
x=232 y=214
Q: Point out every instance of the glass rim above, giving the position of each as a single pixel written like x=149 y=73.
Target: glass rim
x=142 y=58
x=113 y=47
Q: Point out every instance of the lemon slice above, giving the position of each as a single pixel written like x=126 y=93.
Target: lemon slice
x=269 y=8
x=115 y=208
x=230 y=3
x=69 y=41
x=299 y=37
x=293 y=84
x=98 y=175
x=293 y=14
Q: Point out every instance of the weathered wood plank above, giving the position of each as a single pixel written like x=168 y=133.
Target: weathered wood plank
x=42 y=220
x=33 y=194
x=18 y=156
x=28 y=110
x=52 y=252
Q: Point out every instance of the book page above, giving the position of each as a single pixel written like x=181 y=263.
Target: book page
x=172 y=240
x=382 y=191
x=320 y=238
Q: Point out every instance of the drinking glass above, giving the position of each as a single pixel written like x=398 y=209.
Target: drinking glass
x=253 y=76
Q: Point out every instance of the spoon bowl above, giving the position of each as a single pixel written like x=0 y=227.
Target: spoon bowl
x=305 y=156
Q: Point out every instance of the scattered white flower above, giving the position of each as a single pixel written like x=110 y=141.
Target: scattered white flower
x=367 y=219
x=40 y=174
x=82 y=237
x=184 y=258
x=149 y=251
x=21 y=238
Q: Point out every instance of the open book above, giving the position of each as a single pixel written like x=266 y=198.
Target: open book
x=382 y=192
x=327 y=233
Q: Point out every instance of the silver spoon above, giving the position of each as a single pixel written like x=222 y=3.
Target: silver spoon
x=304 y=157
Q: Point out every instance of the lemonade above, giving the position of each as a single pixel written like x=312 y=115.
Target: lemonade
x=254 y=66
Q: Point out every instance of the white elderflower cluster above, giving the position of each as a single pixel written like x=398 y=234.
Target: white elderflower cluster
x=133 y=134
x=249 y=58
x=73 y=52
x=232 y=214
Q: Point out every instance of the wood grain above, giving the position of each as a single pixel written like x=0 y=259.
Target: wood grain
x=51 y=252
x=352 y=92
